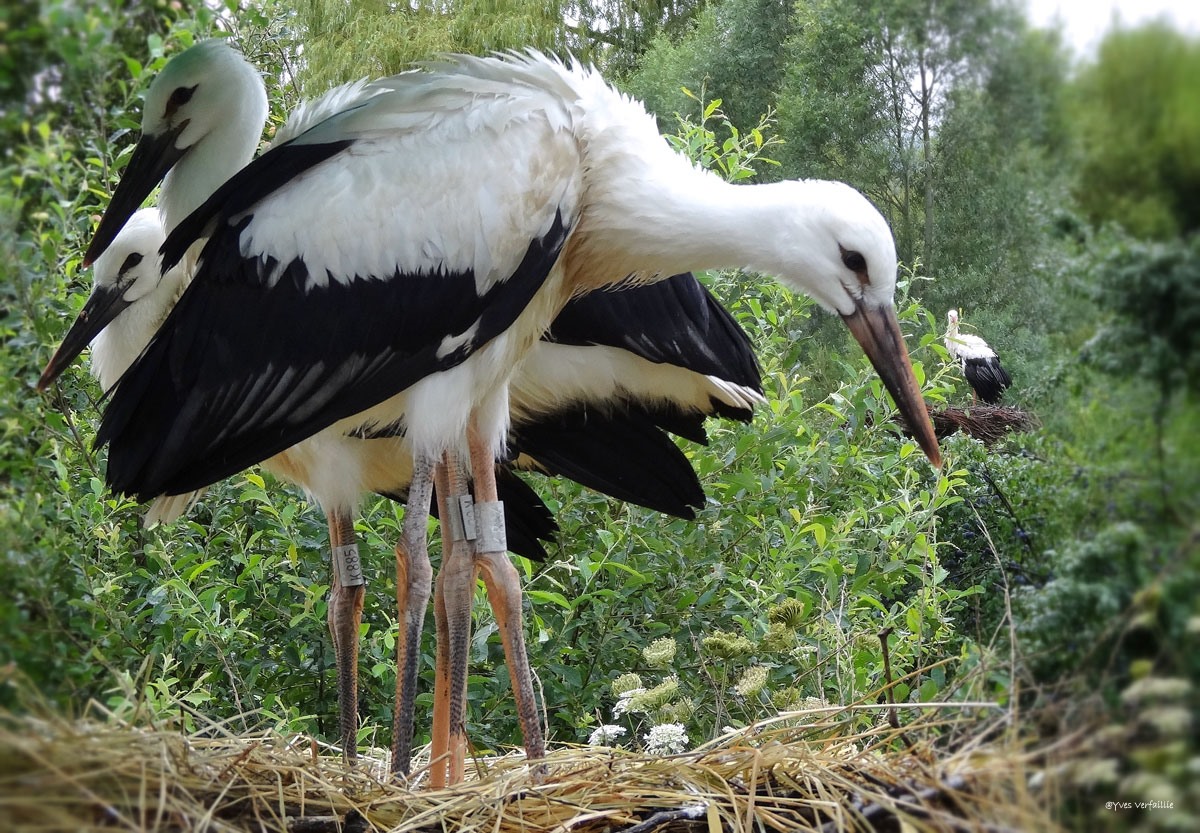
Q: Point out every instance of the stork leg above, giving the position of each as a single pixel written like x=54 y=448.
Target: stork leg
x=452 y=612
x=344 y=617
x=466 y=555
x=504 y=593
x=414 y=576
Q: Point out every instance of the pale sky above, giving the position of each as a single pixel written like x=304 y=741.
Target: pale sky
x=1086 y=21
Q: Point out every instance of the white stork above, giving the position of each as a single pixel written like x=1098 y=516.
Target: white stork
x=980 y=363
x=640 y=375
x=397 y=260
x=130 y=298
x=572 y=401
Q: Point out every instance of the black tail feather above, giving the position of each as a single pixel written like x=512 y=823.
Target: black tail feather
x=987 y=378
x=621 y=453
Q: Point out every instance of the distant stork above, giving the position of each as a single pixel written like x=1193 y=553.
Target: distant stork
x=394 y=263
x=980 y=364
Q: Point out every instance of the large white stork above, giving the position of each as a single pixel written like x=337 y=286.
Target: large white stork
x=597 y=381
x=980 y=363
x=131 y=297
x=627 y=371
x=396 y=261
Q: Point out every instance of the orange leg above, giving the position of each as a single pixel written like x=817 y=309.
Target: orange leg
x=452 y=610
x=504 y=594
x=414 y=575
x=344 y=617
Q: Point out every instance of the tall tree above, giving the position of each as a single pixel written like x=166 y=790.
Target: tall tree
x=734 y=52
x=349 y=39
x=344 y=41
x=1139 y=113
x=1002 y=169
x=868 y=88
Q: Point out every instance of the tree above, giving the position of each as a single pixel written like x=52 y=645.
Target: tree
x=1139 y=116
x=733 y=52
x=344 y=41
x=1002 y=169
x=868 y=89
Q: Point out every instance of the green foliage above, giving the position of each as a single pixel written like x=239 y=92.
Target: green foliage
x=1150 y=294
x=1093 y=585
x=736 y=156
x=1144 y=752
x=347 y=41
x=1140 y=116
x=733 y=51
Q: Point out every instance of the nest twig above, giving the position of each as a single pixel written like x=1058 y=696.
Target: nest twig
x=987 y=423
x=802 y=771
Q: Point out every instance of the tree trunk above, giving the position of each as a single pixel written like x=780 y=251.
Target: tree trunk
x=927 y=159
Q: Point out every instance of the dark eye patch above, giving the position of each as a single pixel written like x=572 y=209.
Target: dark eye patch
x=180 y=97
x=133 y=260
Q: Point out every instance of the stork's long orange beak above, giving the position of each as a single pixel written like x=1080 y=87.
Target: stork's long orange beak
x=878 y=331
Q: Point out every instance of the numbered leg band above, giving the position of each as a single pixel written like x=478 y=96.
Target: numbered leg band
x=349 y=568
x=489 y=521
x=482 y=523
x=460 y=526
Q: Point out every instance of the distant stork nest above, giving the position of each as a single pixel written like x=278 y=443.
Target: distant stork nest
x=987 y=423
x=955 y=767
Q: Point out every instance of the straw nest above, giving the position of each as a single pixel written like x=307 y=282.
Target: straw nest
x=986 y=423
x=805 y=771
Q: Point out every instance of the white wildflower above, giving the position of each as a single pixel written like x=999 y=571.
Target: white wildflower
x=625 y=684
x=605 y=735
x=667 y=739
x=624 y=702
x=643 y=701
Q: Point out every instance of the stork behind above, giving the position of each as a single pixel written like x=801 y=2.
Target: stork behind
x=980 y=363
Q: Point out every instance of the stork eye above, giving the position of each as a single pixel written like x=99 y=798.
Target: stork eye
x=854 y=261
x=133 y=260
x=180 y=97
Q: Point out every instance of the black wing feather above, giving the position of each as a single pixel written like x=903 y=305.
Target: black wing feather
x=253 y=359
x=987 y=378
x=674 y=321
x=620 y=453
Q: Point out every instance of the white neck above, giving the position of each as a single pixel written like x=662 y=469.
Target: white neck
x=117 y=345
x=692 y=220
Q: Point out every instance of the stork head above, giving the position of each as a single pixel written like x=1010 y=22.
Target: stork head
x=839 y=249
x=952 y=318
x=126 y=276
x=207 y=106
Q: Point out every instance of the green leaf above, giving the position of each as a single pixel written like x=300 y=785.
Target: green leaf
x=549 y=596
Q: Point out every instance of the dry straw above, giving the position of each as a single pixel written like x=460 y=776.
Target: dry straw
x=947 y=767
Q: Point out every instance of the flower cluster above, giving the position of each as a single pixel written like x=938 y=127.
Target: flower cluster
x=754 y=680
x=605 y=735
x=660 y=653
x=666 y=739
